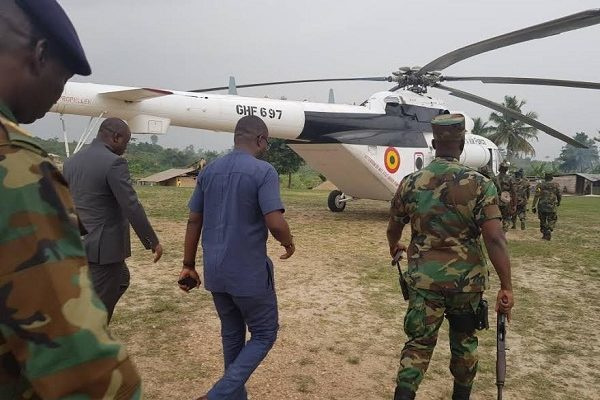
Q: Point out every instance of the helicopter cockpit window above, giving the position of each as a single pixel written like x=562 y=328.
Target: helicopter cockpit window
x=392 y=106
x=393 y=109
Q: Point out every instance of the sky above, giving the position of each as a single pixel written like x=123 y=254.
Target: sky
x=189 y=44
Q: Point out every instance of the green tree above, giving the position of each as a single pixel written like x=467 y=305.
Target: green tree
x=144 y=158
x=512 y=133
x=209 y=155
x=480 y=127
x=540 y=168
x=574 y=159
x=284 y=159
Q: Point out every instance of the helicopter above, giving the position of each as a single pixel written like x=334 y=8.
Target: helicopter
x=364 y=150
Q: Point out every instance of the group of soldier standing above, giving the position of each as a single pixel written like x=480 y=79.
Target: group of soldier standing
x=514 y=193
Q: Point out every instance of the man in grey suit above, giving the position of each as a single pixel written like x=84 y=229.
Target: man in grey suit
x=107 y=203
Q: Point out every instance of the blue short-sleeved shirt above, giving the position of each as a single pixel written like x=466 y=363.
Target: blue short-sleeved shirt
x=233 y=193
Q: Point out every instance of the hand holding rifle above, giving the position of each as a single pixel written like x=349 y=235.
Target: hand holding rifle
x=500 y=353
x=397 y=256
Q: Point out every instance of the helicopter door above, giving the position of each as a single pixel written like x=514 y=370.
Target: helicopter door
x=419 y=160
x=494 y=160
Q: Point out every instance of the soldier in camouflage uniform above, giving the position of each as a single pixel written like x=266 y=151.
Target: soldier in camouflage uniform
x=547 y=197
x=522 y=191
x=507 y=195
x=54 y=343
x=488 y=173
x=448 y=207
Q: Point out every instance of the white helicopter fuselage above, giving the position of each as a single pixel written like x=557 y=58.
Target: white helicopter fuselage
x=371 y=171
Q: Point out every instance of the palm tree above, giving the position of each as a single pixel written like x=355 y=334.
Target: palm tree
x=481 y=128
x=512 y=133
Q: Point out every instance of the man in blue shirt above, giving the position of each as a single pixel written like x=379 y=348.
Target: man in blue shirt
x=235 y=201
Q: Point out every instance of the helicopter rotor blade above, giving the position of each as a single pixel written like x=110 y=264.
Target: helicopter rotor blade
x=524 y=81
x=515 y=114
x=554 y=27
x=368 y=78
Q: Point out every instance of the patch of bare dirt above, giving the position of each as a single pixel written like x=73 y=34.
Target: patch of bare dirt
x=341 y=324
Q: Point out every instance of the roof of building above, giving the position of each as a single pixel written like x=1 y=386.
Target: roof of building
x=168 y=174
x=589 y=177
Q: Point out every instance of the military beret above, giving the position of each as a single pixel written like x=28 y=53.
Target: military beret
x=49 y=17
x=448 y=127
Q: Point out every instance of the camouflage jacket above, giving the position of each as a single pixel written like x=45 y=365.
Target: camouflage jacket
x=54 y=342
x=547 y=196
x=506 y=183
x=446 y=203
x=522 y=190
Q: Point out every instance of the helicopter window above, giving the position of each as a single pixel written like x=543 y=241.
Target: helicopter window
x=393 y=109
x=418 y=161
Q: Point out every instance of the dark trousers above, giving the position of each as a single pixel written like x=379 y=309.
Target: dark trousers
x=259 y=315
x=547 y=221
x=110 y=282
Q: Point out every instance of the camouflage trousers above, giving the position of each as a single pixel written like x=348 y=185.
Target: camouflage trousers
x=547 y=221
x=520 y=212
x=505 y=210
x=423 y=319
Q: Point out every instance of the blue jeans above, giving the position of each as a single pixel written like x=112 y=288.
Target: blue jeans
x=259 y=315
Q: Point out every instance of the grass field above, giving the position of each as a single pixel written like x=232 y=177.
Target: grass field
x=341 y=311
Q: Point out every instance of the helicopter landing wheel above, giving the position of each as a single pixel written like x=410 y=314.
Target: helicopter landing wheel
x=337 y=201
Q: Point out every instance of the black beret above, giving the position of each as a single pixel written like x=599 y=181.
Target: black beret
x=49 y=17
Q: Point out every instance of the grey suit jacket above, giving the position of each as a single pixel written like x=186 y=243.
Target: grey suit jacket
x=106 y=203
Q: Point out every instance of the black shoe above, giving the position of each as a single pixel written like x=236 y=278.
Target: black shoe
x=403 y=393
x=513 y=226
x=461 y=392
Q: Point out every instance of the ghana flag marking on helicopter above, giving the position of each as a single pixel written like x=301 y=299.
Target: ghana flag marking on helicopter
x=391 y=160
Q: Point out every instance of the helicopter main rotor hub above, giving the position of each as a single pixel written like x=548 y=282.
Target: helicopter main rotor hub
x=411 y=79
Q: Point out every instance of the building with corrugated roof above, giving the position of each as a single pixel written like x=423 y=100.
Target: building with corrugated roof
x=180 y=177
x=578 y=183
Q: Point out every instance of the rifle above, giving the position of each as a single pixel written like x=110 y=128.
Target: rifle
x=403 y=284
x=500 y=353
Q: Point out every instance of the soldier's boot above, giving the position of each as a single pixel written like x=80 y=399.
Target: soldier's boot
x=522 y=225
x=546 y=235
x=461 y=392
x=403 y=393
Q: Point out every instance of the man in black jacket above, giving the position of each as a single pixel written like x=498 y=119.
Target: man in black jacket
x=107 y=203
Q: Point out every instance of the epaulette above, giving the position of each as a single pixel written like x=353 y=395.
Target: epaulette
x=18 y=136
